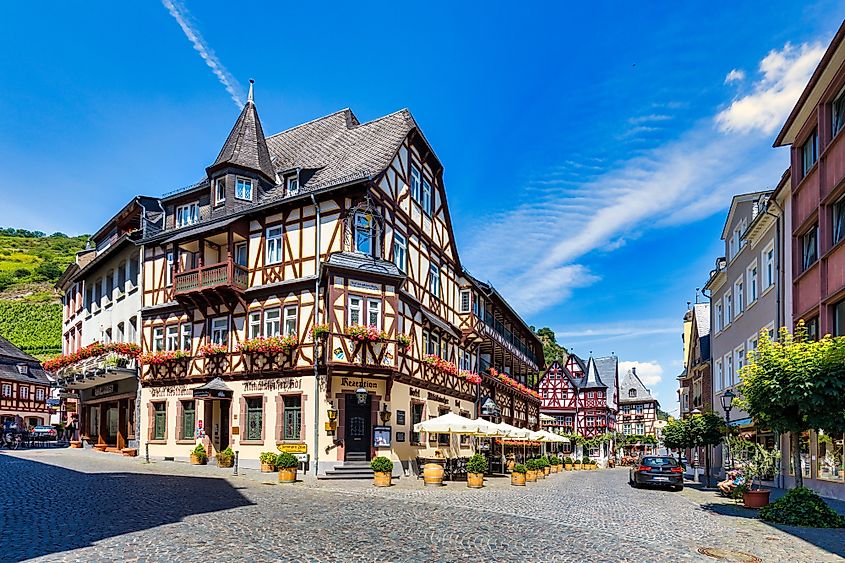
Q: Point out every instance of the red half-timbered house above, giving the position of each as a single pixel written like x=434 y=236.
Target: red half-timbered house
x=24 y=387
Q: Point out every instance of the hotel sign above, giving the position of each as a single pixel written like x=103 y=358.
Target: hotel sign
x=293 y=448
x=170 y=391
x=352 y=383
x=102 y=390
x=273 y=384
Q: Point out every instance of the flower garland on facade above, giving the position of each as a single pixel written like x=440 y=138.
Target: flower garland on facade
x=269 y=345
x=507 y=380
x=470 y=376
x=369 y=333
x=164 y=357
x=448 y=367
x=94 y=350
x=211 y=349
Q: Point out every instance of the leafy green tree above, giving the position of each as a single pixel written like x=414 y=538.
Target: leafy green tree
x=795 y=385
x=705 y=430
x=676 y=436
x=551 y=349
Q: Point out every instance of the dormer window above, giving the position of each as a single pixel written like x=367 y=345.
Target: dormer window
x=293 y=186
x=23 y=369
x=187 y=214
x=220 y=191
x=243 y=189
x=632 y=393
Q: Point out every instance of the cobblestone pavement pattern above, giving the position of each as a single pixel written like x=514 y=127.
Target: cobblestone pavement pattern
x=73 y=505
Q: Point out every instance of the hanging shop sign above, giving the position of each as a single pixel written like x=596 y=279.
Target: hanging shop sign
x=293 y=448
x=103 y=390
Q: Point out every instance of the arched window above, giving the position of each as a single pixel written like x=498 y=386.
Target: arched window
x=632 y=393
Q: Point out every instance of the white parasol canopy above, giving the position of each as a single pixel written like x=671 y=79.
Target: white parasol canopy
x=451 y=423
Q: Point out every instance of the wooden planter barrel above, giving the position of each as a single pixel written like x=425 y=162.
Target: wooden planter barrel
x=475 y=480
x=287 y=475
x=225 y=461
x=197 y=460
x=577 y=466
x=433 y=474
x=518 y=479
x=381 y=478
x=568 y=466
x=755 y=499
x=531 y=475
x=267 y=468
x=547 y=470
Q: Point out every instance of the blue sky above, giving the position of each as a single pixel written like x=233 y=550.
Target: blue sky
x=590 y=152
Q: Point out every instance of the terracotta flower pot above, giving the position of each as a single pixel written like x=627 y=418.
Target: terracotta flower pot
x=518 y=479
x=475 y=480
x=267 y=468
x=197 y=460
x=568 y=466
x=381 y=478
x=755 y=499
x=531 y=476
x=287 y=475
x=432 y=474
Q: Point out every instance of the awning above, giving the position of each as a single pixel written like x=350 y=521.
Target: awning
x=439 y=323
x=214 y=390
x=201 y=230
x=742 y=422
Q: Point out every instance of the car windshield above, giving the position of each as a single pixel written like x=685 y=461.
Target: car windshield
x=659 y=461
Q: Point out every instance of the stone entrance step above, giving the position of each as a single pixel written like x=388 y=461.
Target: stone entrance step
x=350 y=470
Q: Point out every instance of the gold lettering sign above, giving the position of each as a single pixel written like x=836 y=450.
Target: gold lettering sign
x=354 y=383
x=293 y=448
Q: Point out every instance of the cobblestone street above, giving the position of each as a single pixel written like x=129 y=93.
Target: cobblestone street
x=79 y=505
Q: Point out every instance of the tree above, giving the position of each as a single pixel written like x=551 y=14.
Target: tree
x=705 y=430
x=795 y=385
x=661 y=414
x=551 y=349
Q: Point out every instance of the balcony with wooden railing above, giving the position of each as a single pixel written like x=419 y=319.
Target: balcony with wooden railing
x=222 y=276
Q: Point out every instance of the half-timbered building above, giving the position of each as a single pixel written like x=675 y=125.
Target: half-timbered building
x=637 y=407
x=24 y=387
x=307 y=295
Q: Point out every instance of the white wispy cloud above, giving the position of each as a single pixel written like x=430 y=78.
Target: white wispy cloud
x=650 y=118
x=620 y=331
x=183 y=17
x=650 y=373
x=735 y=75
x=566 y=216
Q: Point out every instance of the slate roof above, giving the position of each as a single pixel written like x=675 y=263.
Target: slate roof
x=337 y=148
x=632 y=381
x=364 y=263
x=592 y=380
x=11 y=356
x=246 y=146
x=701 y=313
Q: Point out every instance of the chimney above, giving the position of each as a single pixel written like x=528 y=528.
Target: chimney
x=634 y=370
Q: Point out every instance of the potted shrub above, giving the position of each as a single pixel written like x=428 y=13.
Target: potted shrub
x=226 y=458
x=476 y=467
x=268 y=462
x=547 y=465
x=585 y=463
x=594 y=464
x=287 y=463
x=557 y=464
x=567 y=463
x=759 y=465
x=542 y=465
x=531 y=470
x=518 y=475
x=576 y=464
x=382 y=470
x=199 y=455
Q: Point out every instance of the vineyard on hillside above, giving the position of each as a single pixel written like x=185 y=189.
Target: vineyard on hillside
x=35 y=328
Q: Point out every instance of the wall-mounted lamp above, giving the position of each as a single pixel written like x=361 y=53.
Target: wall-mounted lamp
x=385 y=414
x=361 y=394
x=332 y=413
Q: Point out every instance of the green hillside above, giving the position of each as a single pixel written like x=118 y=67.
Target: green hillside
x=30 y=309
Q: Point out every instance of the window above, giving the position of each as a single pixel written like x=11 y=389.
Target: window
x=374 y=312
x=274 y=245
x=272 y=320
x=416 y=418
x=443 y=439
x=220 y=191
x=751 y=282
x=734 y=243
x=739 y=292
x=632 y=393
x=39 y=394
x=626 y=429
x=638 y=409
x=809 y=153
x=839 y=319
x=426 y=196
x=23 y=391
x=187 y=214
x=121 y=278
x=293 y=186
x=838 y=220
x=809 y=247
x=432 y=344
x=364 y=233
x=739 y=353
x=189 y=420
x=243 y=189
x=466 y=297
x=355 y=312
x=639 y=428
x=728 y=304
x=718 y=316
x=254 y=417
x=159 y=420
x=240 y=254
x=158 y=339
x=7 y=390
x=434 y=280
x=400 y=251
x=720 y=376
x=415 y=183
x=220 y=330
x=729 y=370
x=168 y=274
x=813 y=328
x=187 y=336
x=292 y=422
x=769 y=266
x=172 y=342
x=134 y=269
x=290 y=320
x=254 y=325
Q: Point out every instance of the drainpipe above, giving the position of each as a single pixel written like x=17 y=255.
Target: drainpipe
x=316 y=322
x=778 y=318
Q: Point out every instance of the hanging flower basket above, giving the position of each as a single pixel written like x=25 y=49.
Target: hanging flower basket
x=271 y=346
x=161 y=358
x=320 y=332
x=125 y=349
x=403 y=342
x=370 y=333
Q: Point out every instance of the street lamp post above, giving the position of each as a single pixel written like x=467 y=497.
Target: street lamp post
x=727 y=400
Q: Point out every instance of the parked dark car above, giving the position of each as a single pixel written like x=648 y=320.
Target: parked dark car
x=44 y=433
x=658 y=470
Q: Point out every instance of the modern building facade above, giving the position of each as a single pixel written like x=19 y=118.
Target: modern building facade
x=24 y=387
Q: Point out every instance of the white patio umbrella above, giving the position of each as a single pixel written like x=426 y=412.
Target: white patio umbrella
x=451 y=423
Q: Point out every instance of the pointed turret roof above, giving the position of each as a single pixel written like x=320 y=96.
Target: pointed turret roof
x=246 y=146
x=593 y=379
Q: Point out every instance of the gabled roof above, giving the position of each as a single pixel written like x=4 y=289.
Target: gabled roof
x=592 y=379
x=246 y=146
x=632 y=381
x=11 y=356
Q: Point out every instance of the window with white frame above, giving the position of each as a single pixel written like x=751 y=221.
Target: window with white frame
x=6 y=390
x=220 y=330
x=272 y=322
x=158 y=339
x=433 y=344
x=172 y=341
x=364 y=233
x=39 y=394
x=739 y=361
x=241 y=254
x=751 y=282
x=254 y=325
x=837 y=114
x=290 y=320
x=752 y=343
x=466 y=298
x=293 y=186
x=434 y=280
x=739 y=293
x=187 y=336
x=729 y=369
x=400 y=251
x=416 y=177
x=718 y=316
x=168 y=264
x=374 y=312
x=220 y=190
x=734 y=243
x=243 y=188
x=187 y=214
x=23 y=392
x=355 y=307
x=769 y=266
x=720 y=375
x=839 y=220
x=274 y=245
x=426 y=197
x=810 y=247
x=728 y=304
x=809 y=153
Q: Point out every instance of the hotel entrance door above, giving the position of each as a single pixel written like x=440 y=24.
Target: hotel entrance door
x=357 y=432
